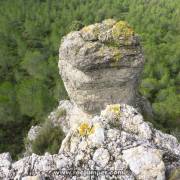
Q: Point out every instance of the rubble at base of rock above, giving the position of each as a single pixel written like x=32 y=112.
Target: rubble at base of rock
x=125 y=148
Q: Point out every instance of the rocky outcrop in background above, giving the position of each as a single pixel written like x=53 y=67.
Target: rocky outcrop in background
x=118 y=141
x=101 y=64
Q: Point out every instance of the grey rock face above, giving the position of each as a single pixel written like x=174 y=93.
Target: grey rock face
x=31 y=136
x=101 y=157
x=118 y=142
x=33 y=132
x=101 y=64
x=141 y=158
x=5 y=162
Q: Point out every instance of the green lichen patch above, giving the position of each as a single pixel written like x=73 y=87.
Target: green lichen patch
x=122 y=28
x=114 y=52
x=122 y=33
x=117 y=55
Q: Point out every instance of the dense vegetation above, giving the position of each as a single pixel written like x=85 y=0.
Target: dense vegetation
x=30 y=34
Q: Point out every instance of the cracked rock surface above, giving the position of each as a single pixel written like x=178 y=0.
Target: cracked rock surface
x=116 y=141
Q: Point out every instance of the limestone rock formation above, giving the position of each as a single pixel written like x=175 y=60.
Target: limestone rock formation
x=118 y=144
x=101 y=64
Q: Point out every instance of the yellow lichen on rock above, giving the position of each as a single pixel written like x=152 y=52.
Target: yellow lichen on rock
x=122 y=28
x=85 y=129
x=115 y=108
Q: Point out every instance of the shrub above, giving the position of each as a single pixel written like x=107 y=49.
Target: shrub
x=75 y=26
x=48 y=140
x=60 y=113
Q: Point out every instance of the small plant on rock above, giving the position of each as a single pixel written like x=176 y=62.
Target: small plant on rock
x=48 y=140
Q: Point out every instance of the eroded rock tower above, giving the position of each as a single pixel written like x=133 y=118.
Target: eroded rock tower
x=101 y=64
